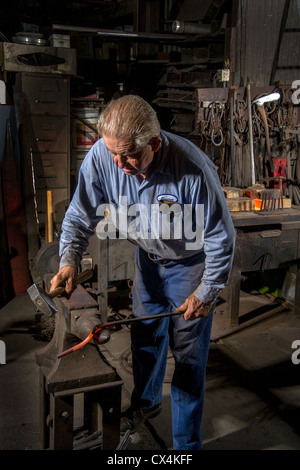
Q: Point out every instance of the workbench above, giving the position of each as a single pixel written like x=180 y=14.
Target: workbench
x=264 y=241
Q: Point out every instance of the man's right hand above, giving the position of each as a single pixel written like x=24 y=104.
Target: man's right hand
x=66 y=277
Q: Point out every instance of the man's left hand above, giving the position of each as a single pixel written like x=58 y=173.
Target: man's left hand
x=194 y=308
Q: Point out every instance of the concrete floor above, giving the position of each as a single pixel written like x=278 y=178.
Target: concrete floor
x=252 y=397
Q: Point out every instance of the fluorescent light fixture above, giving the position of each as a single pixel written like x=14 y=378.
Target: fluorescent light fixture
x=267 y=99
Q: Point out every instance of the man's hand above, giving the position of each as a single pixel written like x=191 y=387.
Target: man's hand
x=66 y=277
x=194 y=308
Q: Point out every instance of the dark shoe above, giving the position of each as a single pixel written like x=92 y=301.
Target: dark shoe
x=131 y=419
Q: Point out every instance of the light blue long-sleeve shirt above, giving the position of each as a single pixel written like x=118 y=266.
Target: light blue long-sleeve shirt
x=181 y=174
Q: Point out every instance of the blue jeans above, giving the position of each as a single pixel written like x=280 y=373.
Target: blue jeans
x=160 y=288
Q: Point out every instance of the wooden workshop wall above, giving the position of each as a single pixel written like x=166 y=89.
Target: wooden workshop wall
x=256 y=30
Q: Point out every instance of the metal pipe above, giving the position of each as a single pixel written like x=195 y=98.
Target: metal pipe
x=191 y=28
x=212 y=29
x=116 y=33
x=232 y=147
x=251 y=134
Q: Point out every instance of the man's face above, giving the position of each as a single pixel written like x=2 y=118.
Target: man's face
x=129 y=160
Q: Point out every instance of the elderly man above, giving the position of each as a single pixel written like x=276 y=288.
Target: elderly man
x=168 y=176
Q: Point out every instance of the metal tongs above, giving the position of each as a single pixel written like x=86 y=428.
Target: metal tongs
x=97 y=329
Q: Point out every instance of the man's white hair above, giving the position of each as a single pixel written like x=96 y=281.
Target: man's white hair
x=129 y=118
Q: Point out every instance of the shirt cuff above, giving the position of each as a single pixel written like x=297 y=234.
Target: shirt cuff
x=207 y=294
x=69 y=259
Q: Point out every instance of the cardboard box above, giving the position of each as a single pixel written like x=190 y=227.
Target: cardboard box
x=59 y=40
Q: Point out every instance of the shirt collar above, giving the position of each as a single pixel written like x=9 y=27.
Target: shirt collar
x=162 y=156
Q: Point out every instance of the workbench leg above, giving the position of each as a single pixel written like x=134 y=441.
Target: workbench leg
x=297 y=291
x=233 y=290
x=110 y=402
x=43 y=413
x=61 y=427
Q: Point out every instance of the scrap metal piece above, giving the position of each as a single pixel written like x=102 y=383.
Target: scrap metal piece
x=125 y=441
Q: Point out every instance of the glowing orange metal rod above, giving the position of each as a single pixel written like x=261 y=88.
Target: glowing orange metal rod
x=95 y=331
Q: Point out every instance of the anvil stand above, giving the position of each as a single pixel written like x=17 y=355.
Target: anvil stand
x=84 y=372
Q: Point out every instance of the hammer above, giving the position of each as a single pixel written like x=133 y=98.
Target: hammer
x=43 y=301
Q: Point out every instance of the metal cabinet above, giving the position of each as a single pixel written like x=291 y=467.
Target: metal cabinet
x=267 y=248
x=48 y=121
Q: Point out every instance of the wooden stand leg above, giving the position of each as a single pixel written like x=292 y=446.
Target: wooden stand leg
x=110 y=402
x=61 y=431
x=44 y=411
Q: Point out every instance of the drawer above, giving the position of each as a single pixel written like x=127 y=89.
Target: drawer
x=269 y=249
x=50 y=134
x=46 y=95
x=53 y=170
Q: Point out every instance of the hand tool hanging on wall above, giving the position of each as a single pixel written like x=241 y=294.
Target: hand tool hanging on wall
x=260 y=120
x=216 y=123
x=260 y=106
x=212 y=131
x=250 y=134
x=232 y=149
x=213 y=124
x=232 y=97
x=97 y=330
